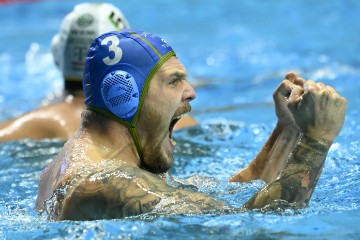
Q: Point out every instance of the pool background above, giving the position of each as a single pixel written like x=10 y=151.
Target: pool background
x=241 y=50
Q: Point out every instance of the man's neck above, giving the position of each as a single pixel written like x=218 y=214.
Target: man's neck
x=110 y=135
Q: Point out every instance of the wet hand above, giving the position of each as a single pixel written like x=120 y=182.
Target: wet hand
x=290 y=89
x=319 y=112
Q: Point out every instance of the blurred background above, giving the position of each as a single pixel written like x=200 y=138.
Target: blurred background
x=236 y=53
x=232 y=47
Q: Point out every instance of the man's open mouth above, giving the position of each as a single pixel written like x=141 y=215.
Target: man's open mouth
x=172 y=125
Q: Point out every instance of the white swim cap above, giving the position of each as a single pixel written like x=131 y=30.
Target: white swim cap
x=78 y=29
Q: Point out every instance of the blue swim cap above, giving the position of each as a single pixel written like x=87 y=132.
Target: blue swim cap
x=118 y=70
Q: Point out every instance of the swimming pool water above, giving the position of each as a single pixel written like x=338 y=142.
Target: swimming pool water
x=236 y=53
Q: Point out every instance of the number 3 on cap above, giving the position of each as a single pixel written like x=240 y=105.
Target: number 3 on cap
x=112 y=48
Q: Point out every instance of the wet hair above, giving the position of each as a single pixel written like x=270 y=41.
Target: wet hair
x=94 y=120
x=73 y=86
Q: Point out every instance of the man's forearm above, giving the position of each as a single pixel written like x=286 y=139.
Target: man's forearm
x=299 y=177
x=255 y=168
x=272 y=156
x=279 y=154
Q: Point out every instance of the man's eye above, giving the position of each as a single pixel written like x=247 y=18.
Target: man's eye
x=174 y=80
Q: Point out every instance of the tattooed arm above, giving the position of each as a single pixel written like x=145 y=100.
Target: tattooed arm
x=271 y=158
x=298 y=179
x=130 y=191
x=319 y=113
x=273 y=155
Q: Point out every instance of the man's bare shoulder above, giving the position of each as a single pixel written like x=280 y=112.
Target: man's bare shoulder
x=70 y=105
x=60 y=120
x=126 y=190
x=106 y=190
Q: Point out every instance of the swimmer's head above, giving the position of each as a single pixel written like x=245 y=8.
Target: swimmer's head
x=118 y=70
x=78 y=29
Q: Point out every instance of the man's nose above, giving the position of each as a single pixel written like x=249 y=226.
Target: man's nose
x=189 y=93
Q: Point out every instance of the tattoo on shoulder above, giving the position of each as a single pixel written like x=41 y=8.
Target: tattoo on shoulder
x=121 y=193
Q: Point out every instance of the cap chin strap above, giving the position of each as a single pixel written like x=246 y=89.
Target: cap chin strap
x=136 y=139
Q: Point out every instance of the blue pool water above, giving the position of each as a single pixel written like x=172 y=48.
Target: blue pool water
x=241 y=50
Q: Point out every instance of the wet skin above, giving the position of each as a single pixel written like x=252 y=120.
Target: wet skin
x=98 y=174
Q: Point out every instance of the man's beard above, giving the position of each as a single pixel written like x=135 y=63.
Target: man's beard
x=159 y=163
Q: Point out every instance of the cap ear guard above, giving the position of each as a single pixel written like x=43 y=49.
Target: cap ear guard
x=120 y=94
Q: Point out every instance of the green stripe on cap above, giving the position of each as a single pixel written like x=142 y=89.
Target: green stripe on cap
x=147 y=42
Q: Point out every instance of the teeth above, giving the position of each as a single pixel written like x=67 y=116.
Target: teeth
x=182 y=115
x=173 y=142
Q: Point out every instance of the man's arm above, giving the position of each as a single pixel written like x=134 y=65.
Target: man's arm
x=319 y=113
x=297 y=180
x=128 y=192
x=271 y=158
x=187 y=121
x=273 y=155
x=55 y=121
